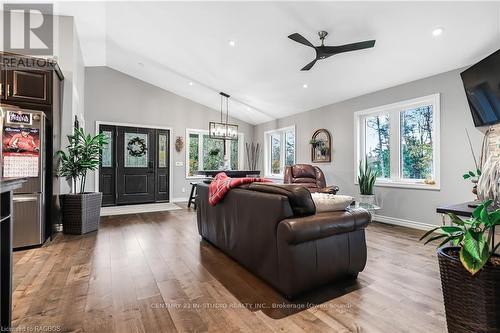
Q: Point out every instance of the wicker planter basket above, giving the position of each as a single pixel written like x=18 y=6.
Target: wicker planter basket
x=81 y=213
x=472 y=302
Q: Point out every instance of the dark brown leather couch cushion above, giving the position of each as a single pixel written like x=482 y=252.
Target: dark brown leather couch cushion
x=303 y=229
x=298 y=196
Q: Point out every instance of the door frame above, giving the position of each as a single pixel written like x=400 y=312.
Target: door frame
x=170 y=152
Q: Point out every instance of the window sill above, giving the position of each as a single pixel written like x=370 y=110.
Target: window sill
x=407 y=185
x=195 y=177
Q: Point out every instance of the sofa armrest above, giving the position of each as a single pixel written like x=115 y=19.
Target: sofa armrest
x=329 y=189
x=303 y=229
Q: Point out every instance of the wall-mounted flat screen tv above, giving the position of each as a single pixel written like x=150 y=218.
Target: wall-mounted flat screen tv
x=482 y=87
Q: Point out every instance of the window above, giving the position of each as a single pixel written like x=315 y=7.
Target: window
x=279 y=150
x=211 y=152
x=401 y=142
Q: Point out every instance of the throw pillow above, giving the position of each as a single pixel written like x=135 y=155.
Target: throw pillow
x=331 y=202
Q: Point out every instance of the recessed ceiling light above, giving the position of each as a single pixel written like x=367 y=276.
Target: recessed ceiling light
x=437 y=32
x=232 y=43
x=304 y=86
x=191 y=83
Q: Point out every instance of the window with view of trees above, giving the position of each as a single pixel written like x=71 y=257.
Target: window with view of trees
x=279 y=150
x=416 y=142
x=400 y=141
x=377 y=144
x=211 y=152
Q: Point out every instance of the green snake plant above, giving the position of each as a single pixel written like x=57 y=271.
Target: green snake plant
x=366 y=178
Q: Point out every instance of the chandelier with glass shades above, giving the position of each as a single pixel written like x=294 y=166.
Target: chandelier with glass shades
x=223 y=130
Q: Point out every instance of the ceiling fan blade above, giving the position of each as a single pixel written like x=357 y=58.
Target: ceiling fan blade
x=350 y=47
x=309 y=65
x=300 y=39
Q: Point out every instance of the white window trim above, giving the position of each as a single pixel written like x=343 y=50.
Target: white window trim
x=267 y=153
x=394 y=109
x=241 y=147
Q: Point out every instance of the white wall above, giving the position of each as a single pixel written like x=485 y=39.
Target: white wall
x=69 y=57
x=116 y=97
x=403 y=204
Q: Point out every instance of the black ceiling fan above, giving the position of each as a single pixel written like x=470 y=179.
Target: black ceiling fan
x=323 y=52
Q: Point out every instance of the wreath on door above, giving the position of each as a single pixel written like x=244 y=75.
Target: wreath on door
x=137 y=147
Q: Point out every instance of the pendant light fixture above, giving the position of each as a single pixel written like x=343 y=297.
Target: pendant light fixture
x=223 y=130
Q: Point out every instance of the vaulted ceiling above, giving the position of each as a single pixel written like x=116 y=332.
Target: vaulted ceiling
x=184 y=47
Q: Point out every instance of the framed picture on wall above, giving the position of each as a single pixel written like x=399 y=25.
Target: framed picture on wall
x=321 y=146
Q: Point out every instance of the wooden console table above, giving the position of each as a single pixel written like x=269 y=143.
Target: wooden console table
x=7 y=185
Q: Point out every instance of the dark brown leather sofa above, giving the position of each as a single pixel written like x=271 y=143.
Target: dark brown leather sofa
x=308 y=176
x=274 y=231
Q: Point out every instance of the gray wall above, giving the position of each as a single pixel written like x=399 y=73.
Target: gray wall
x=397 y=203
x=113 y=96
x=71 y=63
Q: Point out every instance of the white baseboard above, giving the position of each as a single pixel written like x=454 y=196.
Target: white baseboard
x=403 y=223
x=179 y=200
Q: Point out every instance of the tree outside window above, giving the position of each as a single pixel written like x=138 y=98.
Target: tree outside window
x=279 y=150
x=205 y=153
x=275 y=153
x=417 y=143
x=377 y=145
x=401 y=142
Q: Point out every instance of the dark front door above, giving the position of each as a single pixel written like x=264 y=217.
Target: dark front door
x=135 y=165
x=135 y=172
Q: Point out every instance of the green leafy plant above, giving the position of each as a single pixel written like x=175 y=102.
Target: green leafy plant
x=82 y=155
x=317 y=143
x=366 y=178
x=469 y=235
x=214 y=152
x=472 y=175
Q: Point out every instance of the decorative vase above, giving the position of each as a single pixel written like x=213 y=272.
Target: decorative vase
x=367 y=198
x=471 y=302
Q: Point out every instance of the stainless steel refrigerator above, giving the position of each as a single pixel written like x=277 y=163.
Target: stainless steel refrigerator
x=23 y=148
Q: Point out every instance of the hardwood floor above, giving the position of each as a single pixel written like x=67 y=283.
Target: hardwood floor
x=152 y=273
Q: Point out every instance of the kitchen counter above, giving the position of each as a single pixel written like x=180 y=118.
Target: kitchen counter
x=7 y=185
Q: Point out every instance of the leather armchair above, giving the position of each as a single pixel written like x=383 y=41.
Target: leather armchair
x=308 y=176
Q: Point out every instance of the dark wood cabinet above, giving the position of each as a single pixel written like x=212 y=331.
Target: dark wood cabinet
x=36 y=84
x=30 y=86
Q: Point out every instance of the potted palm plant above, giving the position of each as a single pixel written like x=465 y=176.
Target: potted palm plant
x=366 y=180
x=470 y=271
x=80 y=209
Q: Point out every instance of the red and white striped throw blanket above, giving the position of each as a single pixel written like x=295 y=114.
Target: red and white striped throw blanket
x=221 y=184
